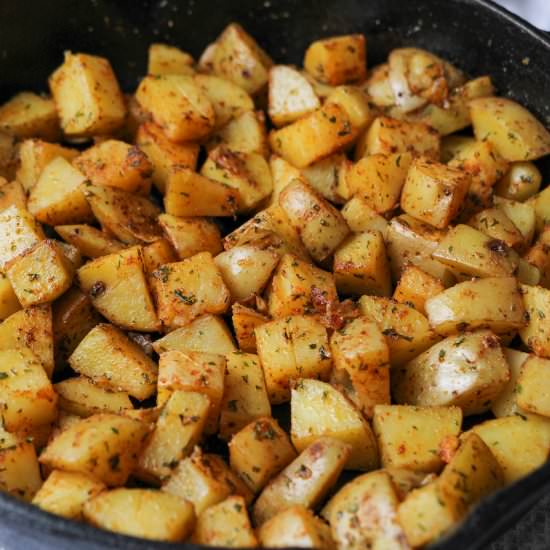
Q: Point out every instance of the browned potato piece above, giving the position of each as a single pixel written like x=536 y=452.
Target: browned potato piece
x=541 y=205
x=8 y=156
x=536 y=334
x=337 y=60
x=532 y=386
x=305 y=481
x=325 y=174
x=87 y=96
x=521 y=181
x=165 y=155
x=113 y=361
x=412 y=437
x=238 y=58
x=12 y=194
x=245 y=320
x=165 y=59
x=130 y=218
x=361 y=216
x=495 y=223
x=415 y=287
x=188 y=289
x=157 y=254
x=110 y=280
x=8 y=300
x=178 y=105
x=189 y=236
x=91 y=242
x=506 y=403
x=29 y=115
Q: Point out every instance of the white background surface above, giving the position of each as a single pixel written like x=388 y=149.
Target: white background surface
x=536 y=12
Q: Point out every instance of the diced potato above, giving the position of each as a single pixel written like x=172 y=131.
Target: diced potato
x=496 y=224
x=144 y=513
x=536 y=335
x=91 y=242
x=238 y=58
x=40 y=274
x=82 y=397
x=188 y=289
x=416 y=287
x=165 y=59
x=305 y=481
x=247 y=173
x=225 y=524
x=113 y=361
x=407 y=331
x=360 y=216
x=355 y=103
x=520 y=183
x=506 y=402
x=130 y=218
x=104 y=446
x=87 y=96
x=157 y=254
x=109 y=280
x=28 y=115
x=165 y=156
x=323 y=176
x=337 y=60
x=245 y=320
x=291 y=96
x=177 y=431
x=541 y=204
x=194 y=371
x=361 y=265
x=532 y=386
x=245 y=396
x=414 y=437
x=8 y=156
x=519 y=443
x=296 y=527
x=512 y=129
x=521 y=214
x=208 y=333
x=364 y=514
x=8 y=300
x=178 y=105
x=317 y=410
x=190 y=194
x=12 y=194
x=539 y=256
x=289 y=349
x=205 y=62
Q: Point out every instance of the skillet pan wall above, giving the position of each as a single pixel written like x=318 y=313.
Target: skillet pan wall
x=478 y=36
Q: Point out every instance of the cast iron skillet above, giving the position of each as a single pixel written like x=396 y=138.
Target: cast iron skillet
x=480 y=37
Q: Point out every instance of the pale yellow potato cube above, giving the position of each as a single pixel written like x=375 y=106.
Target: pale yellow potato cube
x=416 y=287
x=361 y=216
x=506 y=402
x=165 y=59
x=8 y=300
x=532 y=386
x=12 y=194
x=91 y=242
x=521 y=181
x=245 y=320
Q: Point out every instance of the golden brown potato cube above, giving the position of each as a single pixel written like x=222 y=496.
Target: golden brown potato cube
x=337 y=60
x=305 y=481
x=12 y=194
x=65 y=493
x=114 y=361
x=225 y=524
x=30 y=329
x=130 y=218
x=521 y=181
x=407 y=331
x=387 y=135
x=245 y=396
x=190 y=194
x=379 y=179
x=116 y=164
x=472 y=253
x=144 y=513
x=322 y=228
x=110 y=280
x=493 y=302
x=361 y=265
x=178 y=105
x=291 y=96
x=246 y=270
x=8 y=300
x=495 y=223
x=283 y=174
x=315 y=136
x=415 y=287
x=245 y=320
x=539 y=256
x=178 y=429
x=189 y=236
x=19 y=231
x=536 y=335
x=506 y=402
x=317 y=409
x=519 y=443
x=165 y=59
x=296 y=527
x=412 y=437
x=325 y=174
x=157 y=254
x=27 y=115
x=361 y=216
x=238 y=58
x=532 y=386
x=292 y=348
x=28 y=398
x=247 y=173
x=91 y=242
x=364 y=513
x=541 y=204
x=165 y=155
x=87 y=96
x=9 y=153
x=433 y=192
x=104 y=446
x=208 y=333
x=515 y=133
x=260 y=451
x=188 y=289
x=82 y=397
x=19 y=468
x=41 y=274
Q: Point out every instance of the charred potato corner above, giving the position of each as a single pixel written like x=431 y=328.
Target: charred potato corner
x=227 y=287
